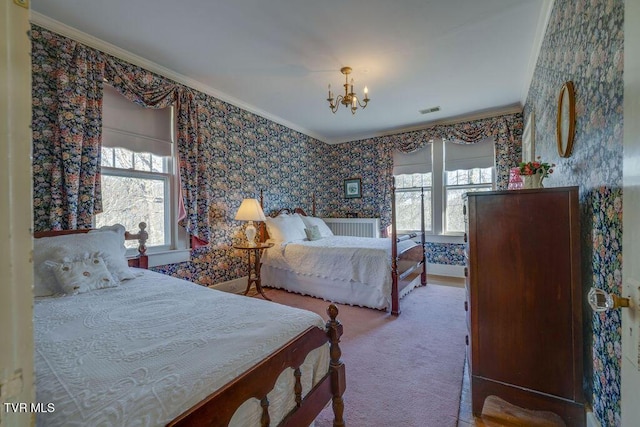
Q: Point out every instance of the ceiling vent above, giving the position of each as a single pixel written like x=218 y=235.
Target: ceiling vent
x=429 y=110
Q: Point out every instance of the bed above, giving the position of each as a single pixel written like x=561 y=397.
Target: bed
x=308 y=259
x=119 y=345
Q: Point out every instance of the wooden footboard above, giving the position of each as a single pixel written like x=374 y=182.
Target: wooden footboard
x=218 y=408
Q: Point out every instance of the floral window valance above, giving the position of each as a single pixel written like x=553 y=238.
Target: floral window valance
x=506 y=130
x=67 y=130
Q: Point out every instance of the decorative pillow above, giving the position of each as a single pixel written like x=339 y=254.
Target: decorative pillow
x=285 y=228
x=75 y=277
x=313 y=233
x=57 y=249
x=310 y=221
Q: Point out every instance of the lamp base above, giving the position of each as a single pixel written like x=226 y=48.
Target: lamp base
x=250 y=232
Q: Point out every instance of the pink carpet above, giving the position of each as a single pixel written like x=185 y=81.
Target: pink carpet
x=404 y=371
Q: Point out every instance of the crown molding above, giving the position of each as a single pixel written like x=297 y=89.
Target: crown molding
x=478 y=115
x=108 y=48
x=541 y=30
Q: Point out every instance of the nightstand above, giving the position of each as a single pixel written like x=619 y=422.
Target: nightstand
x=254 y=268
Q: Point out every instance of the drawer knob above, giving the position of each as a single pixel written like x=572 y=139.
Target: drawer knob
x=466 y=306
x=466 y=339
x=466 y=272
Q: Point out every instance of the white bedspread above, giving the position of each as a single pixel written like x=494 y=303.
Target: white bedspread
x=346 y=259
x=146 y=351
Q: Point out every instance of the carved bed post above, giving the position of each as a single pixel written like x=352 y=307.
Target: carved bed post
x=262 y=234
x=338 y=382
x=142 y=236
x=313 y=204
x=423 y=275
x=395 y=298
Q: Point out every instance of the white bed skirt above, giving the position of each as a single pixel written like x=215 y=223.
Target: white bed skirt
x=333 y=290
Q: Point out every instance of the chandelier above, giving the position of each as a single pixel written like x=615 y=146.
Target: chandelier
x=349 y=99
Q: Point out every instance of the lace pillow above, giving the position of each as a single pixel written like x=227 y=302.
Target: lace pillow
x=109 y=242
x=75 y=277
x=313 y=233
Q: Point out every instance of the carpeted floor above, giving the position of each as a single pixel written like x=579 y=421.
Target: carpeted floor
x=404 y=371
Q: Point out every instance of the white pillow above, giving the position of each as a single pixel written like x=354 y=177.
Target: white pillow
x=324 y=229
x=286 y=228
x=57 y=249
x=75 y=277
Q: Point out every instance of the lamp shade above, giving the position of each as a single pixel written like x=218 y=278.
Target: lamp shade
x=250 y=210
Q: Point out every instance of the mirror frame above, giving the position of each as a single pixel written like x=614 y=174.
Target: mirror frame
x=566 y=124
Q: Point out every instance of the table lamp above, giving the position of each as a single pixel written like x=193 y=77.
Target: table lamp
x=250 y=210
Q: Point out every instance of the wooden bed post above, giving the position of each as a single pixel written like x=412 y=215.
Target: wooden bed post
x=313 y=204
x=395 y=297
x=142 y=260
x=262 y=234
x=423 y=275
x=338 y=381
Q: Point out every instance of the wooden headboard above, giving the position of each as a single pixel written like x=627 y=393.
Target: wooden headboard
x=140 y=261
x=262 y=226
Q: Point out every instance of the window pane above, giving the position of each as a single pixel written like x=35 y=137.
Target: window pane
x=454 y=217
x=124 y=158
x=158 y=164
x=144 y=200
x=469 y=176
x=408 y=210
x=142 y=161
x=106 y=157
x=416 y=180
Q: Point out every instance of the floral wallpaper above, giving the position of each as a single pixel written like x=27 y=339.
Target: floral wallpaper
x=445 y=253
x=372 y=161
x=584 y=43
x=246 y=154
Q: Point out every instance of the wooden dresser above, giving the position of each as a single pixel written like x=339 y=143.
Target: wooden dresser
x=524 y=309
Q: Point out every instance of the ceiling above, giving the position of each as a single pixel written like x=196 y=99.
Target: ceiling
x=471 y=58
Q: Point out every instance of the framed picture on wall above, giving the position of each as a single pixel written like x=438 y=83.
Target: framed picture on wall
x=352 y=188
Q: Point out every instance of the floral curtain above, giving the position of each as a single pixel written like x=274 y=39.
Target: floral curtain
x=152 y=91
x=506 y=131
x=67 y=132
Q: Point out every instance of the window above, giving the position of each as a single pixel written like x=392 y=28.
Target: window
x=457 y=183
x=443 y=172
x=410 y=189
x=467 y=168
x=413 y=182
x=139 y=182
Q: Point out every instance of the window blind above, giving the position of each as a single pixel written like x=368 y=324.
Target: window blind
x=469 y=156
x=128 y=125
x=409 y=163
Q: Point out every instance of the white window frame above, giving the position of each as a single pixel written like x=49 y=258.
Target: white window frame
x=443 y=188
x=438 y=231
x=446 y=188
x=176 y=248
x=418 y=190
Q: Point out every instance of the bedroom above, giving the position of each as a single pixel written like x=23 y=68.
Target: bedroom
x=600 y=189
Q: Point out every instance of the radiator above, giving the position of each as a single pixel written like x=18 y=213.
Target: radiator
x=360 y=227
